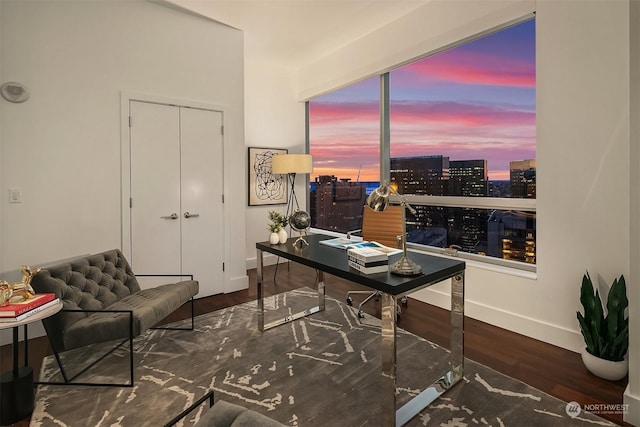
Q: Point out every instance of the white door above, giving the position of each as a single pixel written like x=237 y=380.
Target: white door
x=201 y=190
x=176 y=207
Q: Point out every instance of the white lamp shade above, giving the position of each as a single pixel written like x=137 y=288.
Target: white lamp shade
x=292 y=163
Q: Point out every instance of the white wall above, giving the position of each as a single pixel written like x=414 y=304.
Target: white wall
x=583 y=146
x=632 y=394
x=2 y=196
x=62 y=147
x=273 y=118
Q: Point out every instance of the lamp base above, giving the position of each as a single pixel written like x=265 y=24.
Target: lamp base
x=405 y=267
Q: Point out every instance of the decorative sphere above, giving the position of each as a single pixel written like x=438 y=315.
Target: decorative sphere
x=300 y=221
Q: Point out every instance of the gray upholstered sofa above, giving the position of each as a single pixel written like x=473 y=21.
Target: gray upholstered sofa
x=102 y=302
x=225 y=414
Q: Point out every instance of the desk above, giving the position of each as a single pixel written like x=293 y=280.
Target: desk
x=17 y=385
x=334 y=261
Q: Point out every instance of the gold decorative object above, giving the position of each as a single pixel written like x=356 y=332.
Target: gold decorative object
x=5 y=293
x=18 y=291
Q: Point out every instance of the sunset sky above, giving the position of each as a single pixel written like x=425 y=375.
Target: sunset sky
x=475 y=101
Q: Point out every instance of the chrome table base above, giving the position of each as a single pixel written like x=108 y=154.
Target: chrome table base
x=261 y=325
x=401 y=416
x=390 y=415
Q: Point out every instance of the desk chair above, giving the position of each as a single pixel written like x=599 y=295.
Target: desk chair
x=386 y=228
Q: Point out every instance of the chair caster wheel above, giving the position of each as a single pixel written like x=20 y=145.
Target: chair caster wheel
x=361 y=314
x=349 y=301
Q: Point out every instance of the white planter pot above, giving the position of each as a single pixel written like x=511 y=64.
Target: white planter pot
x=607 y=369
x=274 y=239
x=282 y=235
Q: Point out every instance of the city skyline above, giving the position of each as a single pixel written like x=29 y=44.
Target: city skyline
x=475 y=101
x=337 y=205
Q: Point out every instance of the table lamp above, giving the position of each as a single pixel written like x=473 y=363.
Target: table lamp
x=292 y=164
x=378 y=200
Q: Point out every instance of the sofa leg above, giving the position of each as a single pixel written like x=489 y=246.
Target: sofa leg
x=70 y=381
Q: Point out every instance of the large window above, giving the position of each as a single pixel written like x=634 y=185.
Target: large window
x=462 y=146
x=344 y=127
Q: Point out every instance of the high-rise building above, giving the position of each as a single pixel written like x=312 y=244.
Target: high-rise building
x=424 y=175
x=468 y=178
x=512 y=235
x=523 y=179
x=338 y=204
x=427 y=175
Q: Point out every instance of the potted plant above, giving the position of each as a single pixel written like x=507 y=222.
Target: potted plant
x=606 y=335
x=277 y=226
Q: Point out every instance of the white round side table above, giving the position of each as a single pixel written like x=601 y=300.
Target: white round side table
x=16 y=393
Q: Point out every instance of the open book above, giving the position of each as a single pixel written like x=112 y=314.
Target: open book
x=344 y=243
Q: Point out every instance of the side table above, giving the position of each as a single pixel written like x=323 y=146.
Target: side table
x=17 y=393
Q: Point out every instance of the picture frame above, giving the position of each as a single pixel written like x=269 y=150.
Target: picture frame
x=264 y=187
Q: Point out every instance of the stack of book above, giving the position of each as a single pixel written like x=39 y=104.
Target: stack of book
x=368 y=260
x=15 y=312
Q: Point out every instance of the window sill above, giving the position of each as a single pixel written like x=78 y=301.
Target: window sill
x=517 y=269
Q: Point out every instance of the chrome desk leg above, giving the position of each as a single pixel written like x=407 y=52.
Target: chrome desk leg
x=456 y=361
x=388 y=356
x=321 y=290
x=261 y=325
x=259 y=261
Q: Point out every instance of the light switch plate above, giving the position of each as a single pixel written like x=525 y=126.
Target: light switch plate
x=15 y=195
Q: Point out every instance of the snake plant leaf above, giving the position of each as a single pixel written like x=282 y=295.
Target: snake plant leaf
x=593 y=313
x=617 y=303
x=586 y=334
x=619 y=346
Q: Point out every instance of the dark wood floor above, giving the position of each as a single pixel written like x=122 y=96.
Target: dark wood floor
x=551 y=369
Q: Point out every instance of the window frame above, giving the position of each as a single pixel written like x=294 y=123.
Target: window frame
x=521 y=204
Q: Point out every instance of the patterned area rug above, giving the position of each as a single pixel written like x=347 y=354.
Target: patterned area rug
x=323 y=370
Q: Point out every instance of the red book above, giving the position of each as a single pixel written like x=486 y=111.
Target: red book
x=18 y=308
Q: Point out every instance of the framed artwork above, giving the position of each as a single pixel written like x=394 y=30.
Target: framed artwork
x=265 y=188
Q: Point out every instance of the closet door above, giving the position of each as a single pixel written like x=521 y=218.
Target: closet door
x=201 y=190
x=177 y=216
x=155 y=189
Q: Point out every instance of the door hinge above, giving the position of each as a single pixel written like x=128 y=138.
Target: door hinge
x=130 y=202
x=130 y=121
x=221 y=130
x=223 y=266
x=223 y=198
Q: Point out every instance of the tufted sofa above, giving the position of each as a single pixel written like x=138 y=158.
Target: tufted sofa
x=102 y=301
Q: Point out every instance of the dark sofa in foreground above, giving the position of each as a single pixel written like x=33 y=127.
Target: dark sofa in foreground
x=225 y=414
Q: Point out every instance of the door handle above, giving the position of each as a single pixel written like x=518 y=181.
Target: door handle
x=190 y=215
x=172 y=216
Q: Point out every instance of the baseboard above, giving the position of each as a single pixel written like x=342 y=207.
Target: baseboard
x=237 y=284
x=267 y=259
x=632 y=416
x=533 y=328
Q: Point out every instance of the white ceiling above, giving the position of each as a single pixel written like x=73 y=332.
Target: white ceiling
x=296 y=32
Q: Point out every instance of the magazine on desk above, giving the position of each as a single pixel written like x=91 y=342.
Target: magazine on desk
x=346 y=244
